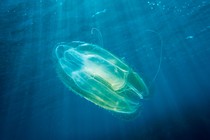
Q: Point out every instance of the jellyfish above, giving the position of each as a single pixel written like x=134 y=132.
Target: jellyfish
x=100 y=77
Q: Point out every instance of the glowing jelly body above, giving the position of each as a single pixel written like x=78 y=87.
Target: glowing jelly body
x=100 y=77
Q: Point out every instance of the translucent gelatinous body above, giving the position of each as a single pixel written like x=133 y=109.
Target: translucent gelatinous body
x=100 y=77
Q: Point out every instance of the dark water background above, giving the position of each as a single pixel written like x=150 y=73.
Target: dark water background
x=34 y=103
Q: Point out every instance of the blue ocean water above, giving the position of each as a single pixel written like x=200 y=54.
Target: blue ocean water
x=35 y=104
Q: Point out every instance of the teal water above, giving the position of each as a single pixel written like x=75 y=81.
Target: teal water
x=35 y=104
